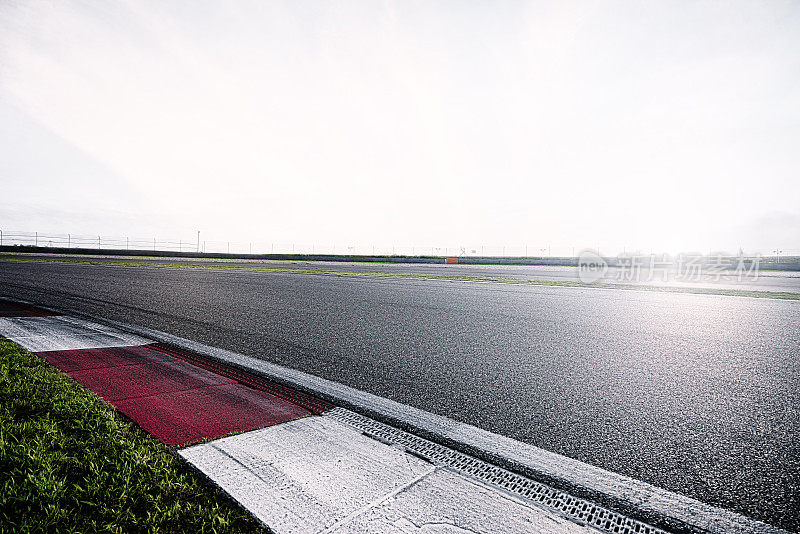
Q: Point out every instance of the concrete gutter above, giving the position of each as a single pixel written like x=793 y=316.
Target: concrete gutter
x=639 y=500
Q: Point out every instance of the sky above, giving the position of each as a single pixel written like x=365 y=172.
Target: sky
x=655 y=126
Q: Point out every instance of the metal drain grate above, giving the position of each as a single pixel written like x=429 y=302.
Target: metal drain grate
x=576 y=509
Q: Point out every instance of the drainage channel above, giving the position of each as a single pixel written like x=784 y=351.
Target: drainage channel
x=576 y=509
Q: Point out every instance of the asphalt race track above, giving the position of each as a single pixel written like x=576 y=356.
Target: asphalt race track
x=763 y=280
x=698 y=394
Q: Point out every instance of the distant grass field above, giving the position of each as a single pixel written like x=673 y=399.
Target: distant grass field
x=70 y=463
x=423 y=276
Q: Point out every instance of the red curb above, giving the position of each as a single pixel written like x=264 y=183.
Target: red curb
x=313 y=404
x=131 y=381
x=15 y=309
x=83 y=359
x=185 y=417
x=180 y=397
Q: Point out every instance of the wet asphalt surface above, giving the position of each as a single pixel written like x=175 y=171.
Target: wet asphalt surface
x=693 y=393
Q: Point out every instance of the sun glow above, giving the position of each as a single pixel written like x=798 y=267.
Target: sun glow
x=516 y=124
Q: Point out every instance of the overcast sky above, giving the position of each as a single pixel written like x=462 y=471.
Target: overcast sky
x=654 y=125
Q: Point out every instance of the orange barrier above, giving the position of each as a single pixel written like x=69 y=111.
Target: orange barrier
x=451 y=260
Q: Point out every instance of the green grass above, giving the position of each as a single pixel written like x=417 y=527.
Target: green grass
x=70 y=463
x=451 y=277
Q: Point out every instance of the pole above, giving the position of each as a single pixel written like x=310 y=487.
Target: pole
x=69 y=240
x=198 y=241
x=98 y=242
x=154 y=244
x=37 y=239
x=127 y=243
x=1 y=238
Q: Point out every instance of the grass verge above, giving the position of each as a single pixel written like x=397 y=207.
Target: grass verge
x=780 y=295
x=70 y=463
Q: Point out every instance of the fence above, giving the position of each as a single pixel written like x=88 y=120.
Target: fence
x=154 y=244
x=38 y=239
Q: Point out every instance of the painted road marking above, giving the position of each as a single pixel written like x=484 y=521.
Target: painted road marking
x=176 y=401
x=160 y=389
x=319 y=475
x=38 y=334
x=311 y=403
x=145 y=380
x=83 y=359
x=446 y=502
x=306 y=475
x=188 y=416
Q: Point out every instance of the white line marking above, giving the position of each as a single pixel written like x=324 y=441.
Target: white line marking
x=376 y=502
x=40 y=334
x=319 y=475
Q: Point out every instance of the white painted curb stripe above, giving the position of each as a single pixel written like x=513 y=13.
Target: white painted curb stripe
x=319 y=475
x=40 y=334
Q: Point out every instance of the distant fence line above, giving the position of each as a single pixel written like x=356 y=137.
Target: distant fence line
x=100 y=242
